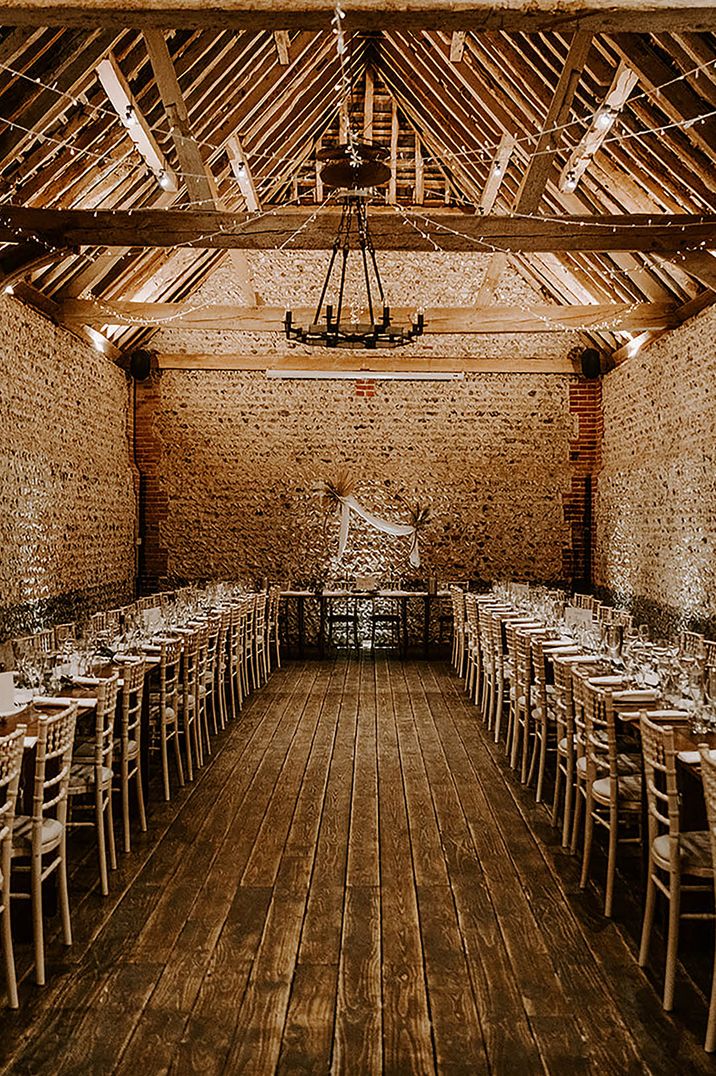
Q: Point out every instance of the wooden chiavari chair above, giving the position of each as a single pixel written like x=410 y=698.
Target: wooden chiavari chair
x=708 y=776
x=235 y=668
x=273 y=638
x=129 y=766
x=471 y=644
x=673 y=853
x=39 y=845
x=692 y=644
x=188 y=694
x=259 y=659
x=91 y=776
x=612 y=785
x=247 y=644
x=203 y=674
x=164 y=714
x=457 y=597
x=11 y=749
x=210 y=690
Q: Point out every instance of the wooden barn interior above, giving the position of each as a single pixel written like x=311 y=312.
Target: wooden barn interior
x=357 y=536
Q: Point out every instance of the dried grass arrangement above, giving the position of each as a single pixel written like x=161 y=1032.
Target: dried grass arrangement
x=331 y=492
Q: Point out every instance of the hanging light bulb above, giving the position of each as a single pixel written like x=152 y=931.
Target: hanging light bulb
x=604 y=119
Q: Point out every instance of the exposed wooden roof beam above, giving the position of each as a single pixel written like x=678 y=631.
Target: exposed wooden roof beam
x=677 y=99
x=68 y=79
x=699 y=264
x=199 y=181
x=597 y=16
x=283 y=43
x=542 y=163
x=498 y=168
x=453 y=230
x=379 y=364
x=200 y=185
x=457 y=46
x=614 y=317
x=242 y=173
x=117 y=89
x=688 y=310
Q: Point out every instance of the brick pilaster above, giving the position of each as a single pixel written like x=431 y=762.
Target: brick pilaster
x=585 y=450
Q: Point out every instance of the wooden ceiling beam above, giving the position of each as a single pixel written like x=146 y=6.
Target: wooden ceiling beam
x=537 y=364
x=283 y=45
x=683 y=313
x=542 y=162
x=198 y=179
x=596 y=16
x=699 y=264
x=532 y=318
x=452 y=229
x=199 y=183
x=677 y=99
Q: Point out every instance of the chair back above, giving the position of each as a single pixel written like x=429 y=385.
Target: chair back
x=459 y=601
x=274 y=600
x=260 y=600
x=133 y=673
x=169 y=674
x=692 y=644
x=11 y=748
x=64 y=633
x=662 y=792
x=55 y=739
x=708 y=777
x=563 y=707
x=190 y=665
x=106 y=712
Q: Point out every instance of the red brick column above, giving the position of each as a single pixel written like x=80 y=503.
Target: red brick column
x=153 y=504
x=365 y=387
x=585 y=451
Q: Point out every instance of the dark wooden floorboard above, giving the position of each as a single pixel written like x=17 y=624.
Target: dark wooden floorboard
x=355 y=883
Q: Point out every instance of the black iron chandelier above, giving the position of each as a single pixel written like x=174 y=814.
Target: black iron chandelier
x=355 y=168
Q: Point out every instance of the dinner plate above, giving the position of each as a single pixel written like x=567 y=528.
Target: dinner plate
x=15 y=710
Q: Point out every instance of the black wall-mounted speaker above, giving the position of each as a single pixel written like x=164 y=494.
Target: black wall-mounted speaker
x=591 y=361
x=140 y=365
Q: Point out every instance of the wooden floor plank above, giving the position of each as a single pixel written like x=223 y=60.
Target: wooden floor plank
x=359 y=1024
x=407 y=1033
x=355 y=882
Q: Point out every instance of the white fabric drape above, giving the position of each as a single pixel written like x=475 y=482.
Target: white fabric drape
x=398 y=530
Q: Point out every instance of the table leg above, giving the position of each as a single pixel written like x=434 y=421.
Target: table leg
x=301 y=615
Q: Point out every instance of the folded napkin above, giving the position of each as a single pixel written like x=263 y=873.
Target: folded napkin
x=87 y=681
x=51 y=700
x=29 y=742
x=642 y=695
x=675 y=717
x=692 y=758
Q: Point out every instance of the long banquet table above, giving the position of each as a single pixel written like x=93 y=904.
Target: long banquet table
x=325 y=597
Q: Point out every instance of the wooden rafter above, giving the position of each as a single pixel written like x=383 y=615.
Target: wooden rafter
x=197 y=176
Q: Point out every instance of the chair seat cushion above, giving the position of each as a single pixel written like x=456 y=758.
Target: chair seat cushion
x=694 y=851
x=629 y=789
x=82 y=777
x=132 y=749
x=22 y=833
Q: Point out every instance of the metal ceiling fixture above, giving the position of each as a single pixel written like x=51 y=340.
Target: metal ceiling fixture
x=354 y=167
